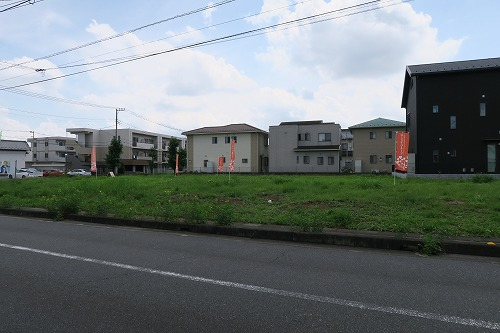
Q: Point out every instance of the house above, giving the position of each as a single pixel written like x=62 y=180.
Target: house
x=304 y=147
x=347 y=151
x=207 y=144
x=50 y=152
x=12 y=156
x=136 y=146
x=374 y=145
x=452 y=114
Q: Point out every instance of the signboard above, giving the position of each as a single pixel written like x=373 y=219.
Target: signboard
x=220 y=167
x=93 y=163
x=232 y=157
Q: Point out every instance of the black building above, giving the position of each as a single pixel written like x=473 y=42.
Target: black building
x=453 y=116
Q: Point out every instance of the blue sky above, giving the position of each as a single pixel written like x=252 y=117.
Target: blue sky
x=346 y=69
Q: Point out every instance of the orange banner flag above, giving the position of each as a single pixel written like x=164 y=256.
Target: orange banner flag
x=93 y=160
x=232 y=157
x=402 y=143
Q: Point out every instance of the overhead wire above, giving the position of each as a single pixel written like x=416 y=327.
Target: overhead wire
x=209 y=6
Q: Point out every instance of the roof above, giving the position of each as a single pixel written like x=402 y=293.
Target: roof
x=232 y=128
x=346 y=134
x=306 y=122
x=14 y=145
x=379 y=122
x=446 y=67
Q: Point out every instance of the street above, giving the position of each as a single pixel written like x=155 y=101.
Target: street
x=78 y=277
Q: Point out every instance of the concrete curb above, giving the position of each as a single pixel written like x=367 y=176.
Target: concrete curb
x=364 y=239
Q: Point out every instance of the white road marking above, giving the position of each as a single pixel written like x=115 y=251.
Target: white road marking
x=321 y=299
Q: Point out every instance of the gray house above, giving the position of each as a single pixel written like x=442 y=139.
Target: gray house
x=304 y=147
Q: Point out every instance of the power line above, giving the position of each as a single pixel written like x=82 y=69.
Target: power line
x=18 y=4
x=256 y=31
x=209 y=6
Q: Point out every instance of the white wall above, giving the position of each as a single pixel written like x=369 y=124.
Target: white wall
x=8 y=160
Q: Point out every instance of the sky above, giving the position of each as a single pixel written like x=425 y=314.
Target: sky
x=172 y=66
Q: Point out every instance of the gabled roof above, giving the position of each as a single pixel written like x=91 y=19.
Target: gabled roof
x=230 y=129
x=379 y=122
x=14 y=145
x=446 y=67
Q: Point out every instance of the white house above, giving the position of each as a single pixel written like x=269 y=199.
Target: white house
x=205 y=146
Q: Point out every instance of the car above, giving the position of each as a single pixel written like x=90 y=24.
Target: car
x=78 y=172
x=28 y=172
x=52 y=172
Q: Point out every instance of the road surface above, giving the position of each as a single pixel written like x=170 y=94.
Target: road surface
x=77 y=277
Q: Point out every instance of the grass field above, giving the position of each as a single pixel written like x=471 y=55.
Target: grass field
x=309 y=202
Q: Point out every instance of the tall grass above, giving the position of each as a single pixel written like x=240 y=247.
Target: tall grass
x=307 y=202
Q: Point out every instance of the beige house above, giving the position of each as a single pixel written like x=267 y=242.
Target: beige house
x=206 y=145
x=374 y=145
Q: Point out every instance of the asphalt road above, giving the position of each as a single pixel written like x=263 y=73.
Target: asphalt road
x=74 y=277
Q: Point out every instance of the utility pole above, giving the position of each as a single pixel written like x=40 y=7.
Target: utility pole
x=116 y=121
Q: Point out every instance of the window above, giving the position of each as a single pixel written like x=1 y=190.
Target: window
x=320 y=160
x=373 y=135
x=453 y=122
x=205 y=163
x=227 y=139
x=322 y=137
x=244 y=160
x=46 y=155
x=373 y=159
x=297 y=159
x=331 y=160
x=61 y=154
x=214 y=140
x=34 y=144
x=388 y=159
x=46 y=143
x=388 y=134
x=304 y=137
x=482 y=109
x=34 y=155
x=435 y=156
x=435 y=109
x=234 y=138
x=306 y=159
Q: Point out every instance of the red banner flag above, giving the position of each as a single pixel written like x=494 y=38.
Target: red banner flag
x=233 y=156
x=93 y=160
x=220 y=166
x=402 y=143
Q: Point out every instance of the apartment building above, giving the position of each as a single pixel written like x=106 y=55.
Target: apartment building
x=136 y=146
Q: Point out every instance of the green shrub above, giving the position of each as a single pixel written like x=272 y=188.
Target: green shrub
x=480 y=178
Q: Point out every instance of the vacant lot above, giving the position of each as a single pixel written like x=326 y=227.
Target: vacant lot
x=309 y=202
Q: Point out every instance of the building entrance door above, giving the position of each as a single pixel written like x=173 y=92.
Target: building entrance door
x=492 y=149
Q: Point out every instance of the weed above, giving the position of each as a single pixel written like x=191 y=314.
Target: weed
x=223 y=213
x=430 y=245
x=480 y=178
x=61 y=205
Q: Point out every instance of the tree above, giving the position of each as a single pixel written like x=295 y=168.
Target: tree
x=173 y=144
x=182 y=158
x=115 y=150
x=154 y=158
